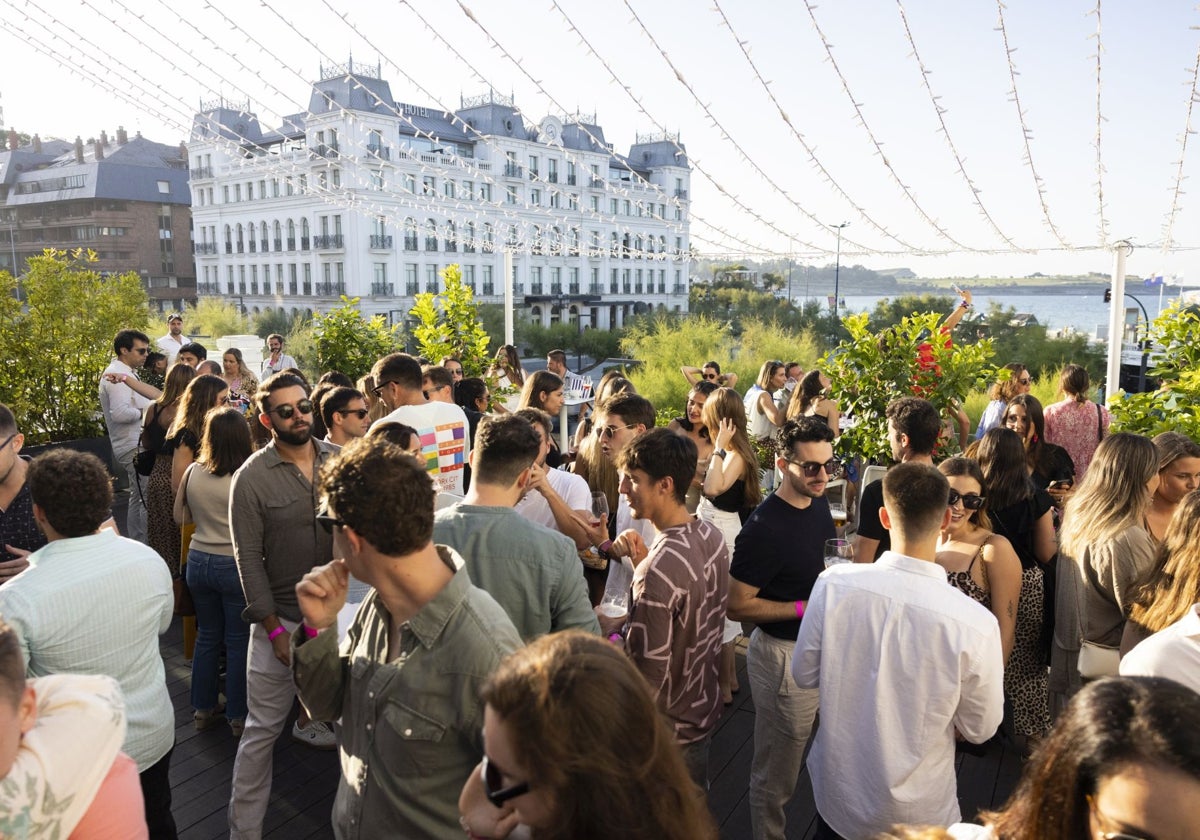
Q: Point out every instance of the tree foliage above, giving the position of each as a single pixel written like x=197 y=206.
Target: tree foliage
x=56 y=346
x=215 y=317
x=870 y=369
x=345 y=341
x=448 y=324
x=1175 y=406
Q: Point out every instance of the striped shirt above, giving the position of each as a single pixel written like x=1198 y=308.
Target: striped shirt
x=673 y=636
x=97 y=605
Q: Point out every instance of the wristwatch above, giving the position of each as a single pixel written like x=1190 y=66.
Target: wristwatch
x=720 y=453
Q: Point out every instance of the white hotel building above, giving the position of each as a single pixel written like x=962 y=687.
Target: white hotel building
x=368 y=197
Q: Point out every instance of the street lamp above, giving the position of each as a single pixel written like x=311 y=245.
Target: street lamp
x=837 y=266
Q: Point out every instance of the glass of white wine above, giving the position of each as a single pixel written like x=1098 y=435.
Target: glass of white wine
x=838 y=551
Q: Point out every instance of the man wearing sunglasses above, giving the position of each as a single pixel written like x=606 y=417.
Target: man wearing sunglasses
x=276 y=541
x=776 y=560
x=442 y=427
x=344 y=411
x=122 y=408
x=913 y=428
x=407 y=680
x=903 y=665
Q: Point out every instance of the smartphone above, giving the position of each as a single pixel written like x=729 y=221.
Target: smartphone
x=1061 y=485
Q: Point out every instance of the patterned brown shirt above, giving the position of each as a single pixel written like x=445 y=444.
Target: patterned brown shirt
x=680 y=594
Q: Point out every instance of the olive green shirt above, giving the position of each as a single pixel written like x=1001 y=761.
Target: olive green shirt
x=411 y=728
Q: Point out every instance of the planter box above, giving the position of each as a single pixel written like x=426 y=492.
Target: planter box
x=98 y=446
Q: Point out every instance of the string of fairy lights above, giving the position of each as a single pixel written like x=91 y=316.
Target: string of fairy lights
x=518 y=220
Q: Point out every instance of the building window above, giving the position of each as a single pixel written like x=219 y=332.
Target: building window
x=431 y=278
x=164 y=187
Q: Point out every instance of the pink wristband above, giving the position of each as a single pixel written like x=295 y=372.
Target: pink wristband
x=274 y=634
x=310 y=632
x=799 y=609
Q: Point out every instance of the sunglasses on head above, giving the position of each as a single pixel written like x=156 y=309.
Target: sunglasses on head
x=812 y=468
x=360 y=413
x=285 y=412
x=971 y=501
x=491 y=785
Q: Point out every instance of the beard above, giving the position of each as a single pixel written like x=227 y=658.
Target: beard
x=294 y=437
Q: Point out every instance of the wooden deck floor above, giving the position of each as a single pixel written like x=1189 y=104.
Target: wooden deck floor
x=305 y=779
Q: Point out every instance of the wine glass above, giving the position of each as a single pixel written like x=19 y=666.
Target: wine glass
x=598 y=507
x=838 y=551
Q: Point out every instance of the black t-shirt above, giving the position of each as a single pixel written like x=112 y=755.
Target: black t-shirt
x=869 y=525
x=781 y=550
x=1016 y=523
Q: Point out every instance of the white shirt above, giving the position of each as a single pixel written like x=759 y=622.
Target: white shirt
x=625 y=520
x=285 y=362
x=901 y=659
x=1173 y=652
x=169 y=346
x=122 y=408
x=573 y=490
x=445 y=441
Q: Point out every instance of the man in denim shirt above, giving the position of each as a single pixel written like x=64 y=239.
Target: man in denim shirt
x=407 y=678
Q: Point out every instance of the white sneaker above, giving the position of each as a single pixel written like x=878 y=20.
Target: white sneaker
x=317 y=735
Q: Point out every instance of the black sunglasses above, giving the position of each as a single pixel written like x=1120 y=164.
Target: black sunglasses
x=285 y=412
x=360 y=413
x=491 y=785
x=811 y=468
x=970 y=501
x=329 y=522
x=379 y=388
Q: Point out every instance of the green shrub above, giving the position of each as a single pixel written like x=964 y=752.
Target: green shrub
x=869 y=371
x=345 y=341
x=448 y=324
x=664 y=344
x=1175 y=406
x=56 y=348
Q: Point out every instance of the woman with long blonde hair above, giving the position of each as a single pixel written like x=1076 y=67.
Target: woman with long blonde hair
x=1105 y=552
x=731 y=491
x=1171 y=588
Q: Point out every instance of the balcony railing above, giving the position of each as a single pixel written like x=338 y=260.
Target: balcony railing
x=307 y=289
x=488 y=289
x=381 y=152
x=513 y=170
x=254 y=246
x=278 y=245
x=228 y=247
x=533 y=174
x=208 y=288
x=330 y=289
x=410 y=243
x=328 y=241
x=304 y=243
x=595 y=289
x=204 y=248
x=552 y=177
x=570 y=180
x=381 y=241
x=679 y=289
x=412 y=288
x=573 y=289
x=329 y=150
x=200 y=172
x=292 y=287
x=681 y=194
x=292 y=244
x=597 y=181
x=383 y=289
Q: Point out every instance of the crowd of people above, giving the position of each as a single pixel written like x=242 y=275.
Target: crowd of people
x=501 y=634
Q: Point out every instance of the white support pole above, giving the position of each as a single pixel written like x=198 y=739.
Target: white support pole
x=1116 y=321
x=508 y=296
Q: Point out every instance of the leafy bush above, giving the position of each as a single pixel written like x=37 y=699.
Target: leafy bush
x=869 y=371
x=56 y=348
x=664 y=344
x=215 y=317
x=1175 y=406
x=345 y=341
x=449 y=324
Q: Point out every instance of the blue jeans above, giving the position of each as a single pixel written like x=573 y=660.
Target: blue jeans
x=217 y=594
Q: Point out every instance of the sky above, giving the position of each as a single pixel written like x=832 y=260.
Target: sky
x=844 y=129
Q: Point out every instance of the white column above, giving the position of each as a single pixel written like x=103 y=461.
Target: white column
x=1116 y=312
x=508 y=297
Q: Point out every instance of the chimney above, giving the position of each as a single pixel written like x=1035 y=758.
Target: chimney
x=37 y=144
x=78 y=149
x=99 y=149
x=122 y=135
x=103 y=138
x=182 y=150
x=14 y=141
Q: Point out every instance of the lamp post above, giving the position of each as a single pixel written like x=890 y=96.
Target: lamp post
x=837 y=266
